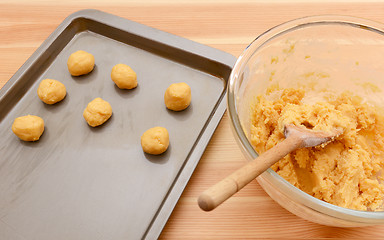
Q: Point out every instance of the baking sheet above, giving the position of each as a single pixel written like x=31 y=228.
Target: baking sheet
x=79 y=182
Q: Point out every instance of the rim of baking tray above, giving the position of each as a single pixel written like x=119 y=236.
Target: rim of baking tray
x=248 y=150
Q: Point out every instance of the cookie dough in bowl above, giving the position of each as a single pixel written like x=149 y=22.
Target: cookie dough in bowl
x=123 y=76
x=28 y=128
x=344 y=171
x=155 y=140
x=51 y=91
x=80 y=63
x=323 y=73
x=177 y=97
x=97 y=112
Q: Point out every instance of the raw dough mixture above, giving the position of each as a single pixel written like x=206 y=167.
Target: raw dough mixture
x=51 y=91
x=344 y=172
x=97 y=112
x=28 y=128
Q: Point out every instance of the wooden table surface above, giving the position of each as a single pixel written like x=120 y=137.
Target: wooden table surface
x=229 y=26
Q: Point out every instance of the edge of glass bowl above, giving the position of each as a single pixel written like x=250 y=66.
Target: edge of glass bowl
x=246 y=147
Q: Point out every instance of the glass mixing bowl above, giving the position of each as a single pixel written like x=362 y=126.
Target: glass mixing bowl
x=336 y=53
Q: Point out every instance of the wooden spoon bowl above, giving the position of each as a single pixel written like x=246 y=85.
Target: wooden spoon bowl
x=295 y=138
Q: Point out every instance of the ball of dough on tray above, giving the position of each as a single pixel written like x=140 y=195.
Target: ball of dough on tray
x=123 y=76
x=80 y=63
x=97 y=112
x=51 y=91
x=155 y=140
x=28 y=128
x=177 y=97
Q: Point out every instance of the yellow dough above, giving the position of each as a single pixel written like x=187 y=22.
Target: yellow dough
x=80 y=63
x=51 y=91
x=155 y=140
x=97 y=112
x=123 y=76
x=28 y=128
x=177 y=97
x=345 y=171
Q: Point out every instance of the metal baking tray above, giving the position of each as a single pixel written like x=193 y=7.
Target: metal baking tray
x=79 y=182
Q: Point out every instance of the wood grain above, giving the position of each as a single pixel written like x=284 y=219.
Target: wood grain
x=229 y=26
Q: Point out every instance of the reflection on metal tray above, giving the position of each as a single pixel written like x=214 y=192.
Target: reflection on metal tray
x=79 y=182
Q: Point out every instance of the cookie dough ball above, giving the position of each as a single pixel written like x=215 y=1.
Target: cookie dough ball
x=177 y=97
x=51 y=91
x=123 y=76
x=97 y=112
x=155 y=140
x=28 y=128
x=80 y=63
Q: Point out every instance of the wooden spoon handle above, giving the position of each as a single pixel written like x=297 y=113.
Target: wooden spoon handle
x=218 y=193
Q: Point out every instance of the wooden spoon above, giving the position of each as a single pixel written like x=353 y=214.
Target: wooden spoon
x=295 y=138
